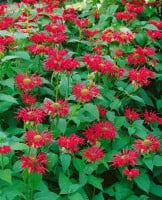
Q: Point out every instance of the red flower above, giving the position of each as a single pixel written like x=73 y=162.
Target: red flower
x=91 y=33
x=38 y=37
x=140 y=77
x=125 y=15
x=35 y=163
x=5 y=149
x=81 y=23
x=123 y=37
x=149 y=144
x=130 y=114
x=154 y=34
x=85 y=93
x=59 y=107
x=6 y=23
x=36 y=139
x=101 y=110
x=2 y=9
x=134 y=8
x=32 y=115
x=158 y=24
x=128 y=157
x=93 y=153
x=107 y=35
x=55 y=28
x=131 y=173
x=71 y=143
x=59 y=61
x=29 y=1
x=105 y=130
x=150 y=116
x=38 y=49
x=28 y=99
x=100 y=130
x=69 y=14
x=26 y=82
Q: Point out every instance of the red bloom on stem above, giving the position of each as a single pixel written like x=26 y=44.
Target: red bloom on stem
x=69 y=14
x=31 y=115
x=2 y=9
x=93 y=153
x=81 y=23
x=85 y=93
x=150 y=116
x=158 y=24
x=5 y=149
x=101 y=110
x=128 y=157
x=38 y=49
x=125 y=15
x=140 y=77
x=26 y=82
x=29 y=1
x=36 y=139
x=55 y=28
x=131 y=114
x=131 y=173
x=105 y=130
x=6 y=23
x=91 y=33
x=60 y=107
x=35 y=163
x=71 y=143
x=100 y=130
x=107 y=35
x=149 y=144
x=28 y=99
x=38 y=37
x=123 y=37
x=154 y=34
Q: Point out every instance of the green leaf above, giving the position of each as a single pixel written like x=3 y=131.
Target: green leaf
x=148 y=162
x=79 y=164
x=99 y=196
x=156 y=189
x=52 y=160
x=62 y=125
x=115 y=105
x=137 y=98
x=8 y=82
x=143 y=182
x=95 y=181
x=45 y=196
x=8 y=98
x=141 y=38
x=35 y=180
x=8 y=58
x=64 y=183
x=4 y=106
x=92 y=109
x=6 y=175
x=23 y=55
x=119 y=122
x=65 y=161
x=158 y=161
x=110 y=116
x=76 y=196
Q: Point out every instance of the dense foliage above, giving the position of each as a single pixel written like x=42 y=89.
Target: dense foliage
x=80 y=100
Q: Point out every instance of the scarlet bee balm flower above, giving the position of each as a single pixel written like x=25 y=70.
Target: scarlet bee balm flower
x=93 y=153
x=5 y=149
x=85 y=93
x=149 y=144
x=131 y=173
x=35 y=163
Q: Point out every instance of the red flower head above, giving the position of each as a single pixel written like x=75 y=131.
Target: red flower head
x=26 y=82
x=150 y=117
x=35 y=163
x=131 y=173
x=28 y=99
x=130 y=114
x=38 y=49
x=69 y=14
x=140 y=77
x=154 y=34
x=55 y=28
x=71 y=143
x=101 y=110
x=91 y=33
x=2 y=9
x=107 y=35
x=85 y=93
x=149 y=144
x=125 y=15
x=60 y=107
x=100 y=130
x=81 y=23
x=29 y=1
x=38 y=37
x=31 y=115
x=105 y=130
x=6 y=23
x=128 y=157
x=123 y=37
x=5 y=149
x=93 y=153
x=36 y=139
